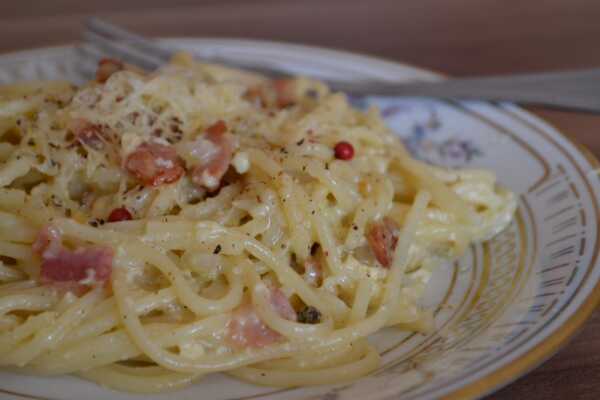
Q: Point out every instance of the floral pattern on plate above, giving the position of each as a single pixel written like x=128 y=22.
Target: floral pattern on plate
x=422 y=131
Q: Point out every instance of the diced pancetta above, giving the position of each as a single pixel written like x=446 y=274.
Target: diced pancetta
x=246 y=329
x=47 y=243
x=107 y=67
x=383 y=238
x=214 y=152
x=282 y=305
x=278 y=92
x=154 y=164
x=88 y=134
x=82 y=266
x=284 y=90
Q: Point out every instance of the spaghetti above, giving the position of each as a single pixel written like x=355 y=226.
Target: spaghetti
x=158 y=227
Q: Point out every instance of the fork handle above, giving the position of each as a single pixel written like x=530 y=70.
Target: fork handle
x=571 y=90
x=577 y=90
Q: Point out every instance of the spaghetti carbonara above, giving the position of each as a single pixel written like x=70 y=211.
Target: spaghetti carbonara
x=158 y=227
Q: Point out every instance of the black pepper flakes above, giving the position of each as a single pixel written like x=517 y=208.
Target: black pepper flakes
x=175 y=129
x=300 y=142
x=217 y=249
x=309 y=315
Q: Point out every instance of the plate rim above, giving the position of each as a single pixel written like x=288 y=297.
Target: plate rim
x=505 y=374
x=558 y=339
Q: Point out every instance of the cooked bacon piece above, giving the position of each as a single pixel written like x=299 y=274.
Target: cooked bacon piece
x=119 y=214
x=282 y=305
x=284 y=90
x=383 y=238
x=85 y=265
x=82 y=266
x=155 y=164
x=94 y=136
x=278 y=92
x=214 y=150
x=246 y=329
x=107 y=67
x=47 y=244
x=88 y=134
x=256 y=95
x=217 y=129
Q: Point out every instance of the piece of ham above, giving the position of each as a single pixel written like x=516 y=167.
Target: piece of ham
x=285 y=92
x=282 y=305
x=246 y=329
x=107 y=67
x=83 y=266
x=154 y=164
x=47 y=243
x=382 y=237
x=88 y=134
x=278 y=92
x=214 y=151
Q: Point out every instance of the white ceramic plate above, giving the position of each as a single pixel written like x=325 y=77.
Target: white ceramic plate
x=504 y=308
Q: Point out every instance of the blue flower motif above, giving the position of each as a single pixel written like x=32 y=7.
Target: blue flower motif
x=458 y=150
x=422 y=144
x=394 y=109
x=360 y=102
x=424 y=134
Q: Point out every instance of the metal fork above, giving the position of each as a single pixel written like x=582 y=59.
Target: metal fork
x=575 y=90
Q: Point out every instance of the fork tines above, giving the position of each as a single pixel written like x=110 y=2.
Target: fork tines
x=104 y=40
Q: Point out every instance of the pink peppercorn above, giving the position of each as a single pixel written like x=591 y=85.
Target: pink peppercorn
x=343 y=151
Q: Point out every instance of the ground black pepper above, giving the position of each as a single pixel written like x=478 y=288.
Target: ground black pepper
x=309 y=315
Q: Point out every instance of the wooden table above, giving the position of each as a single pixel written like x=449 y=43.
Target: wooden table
x=462 y=37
